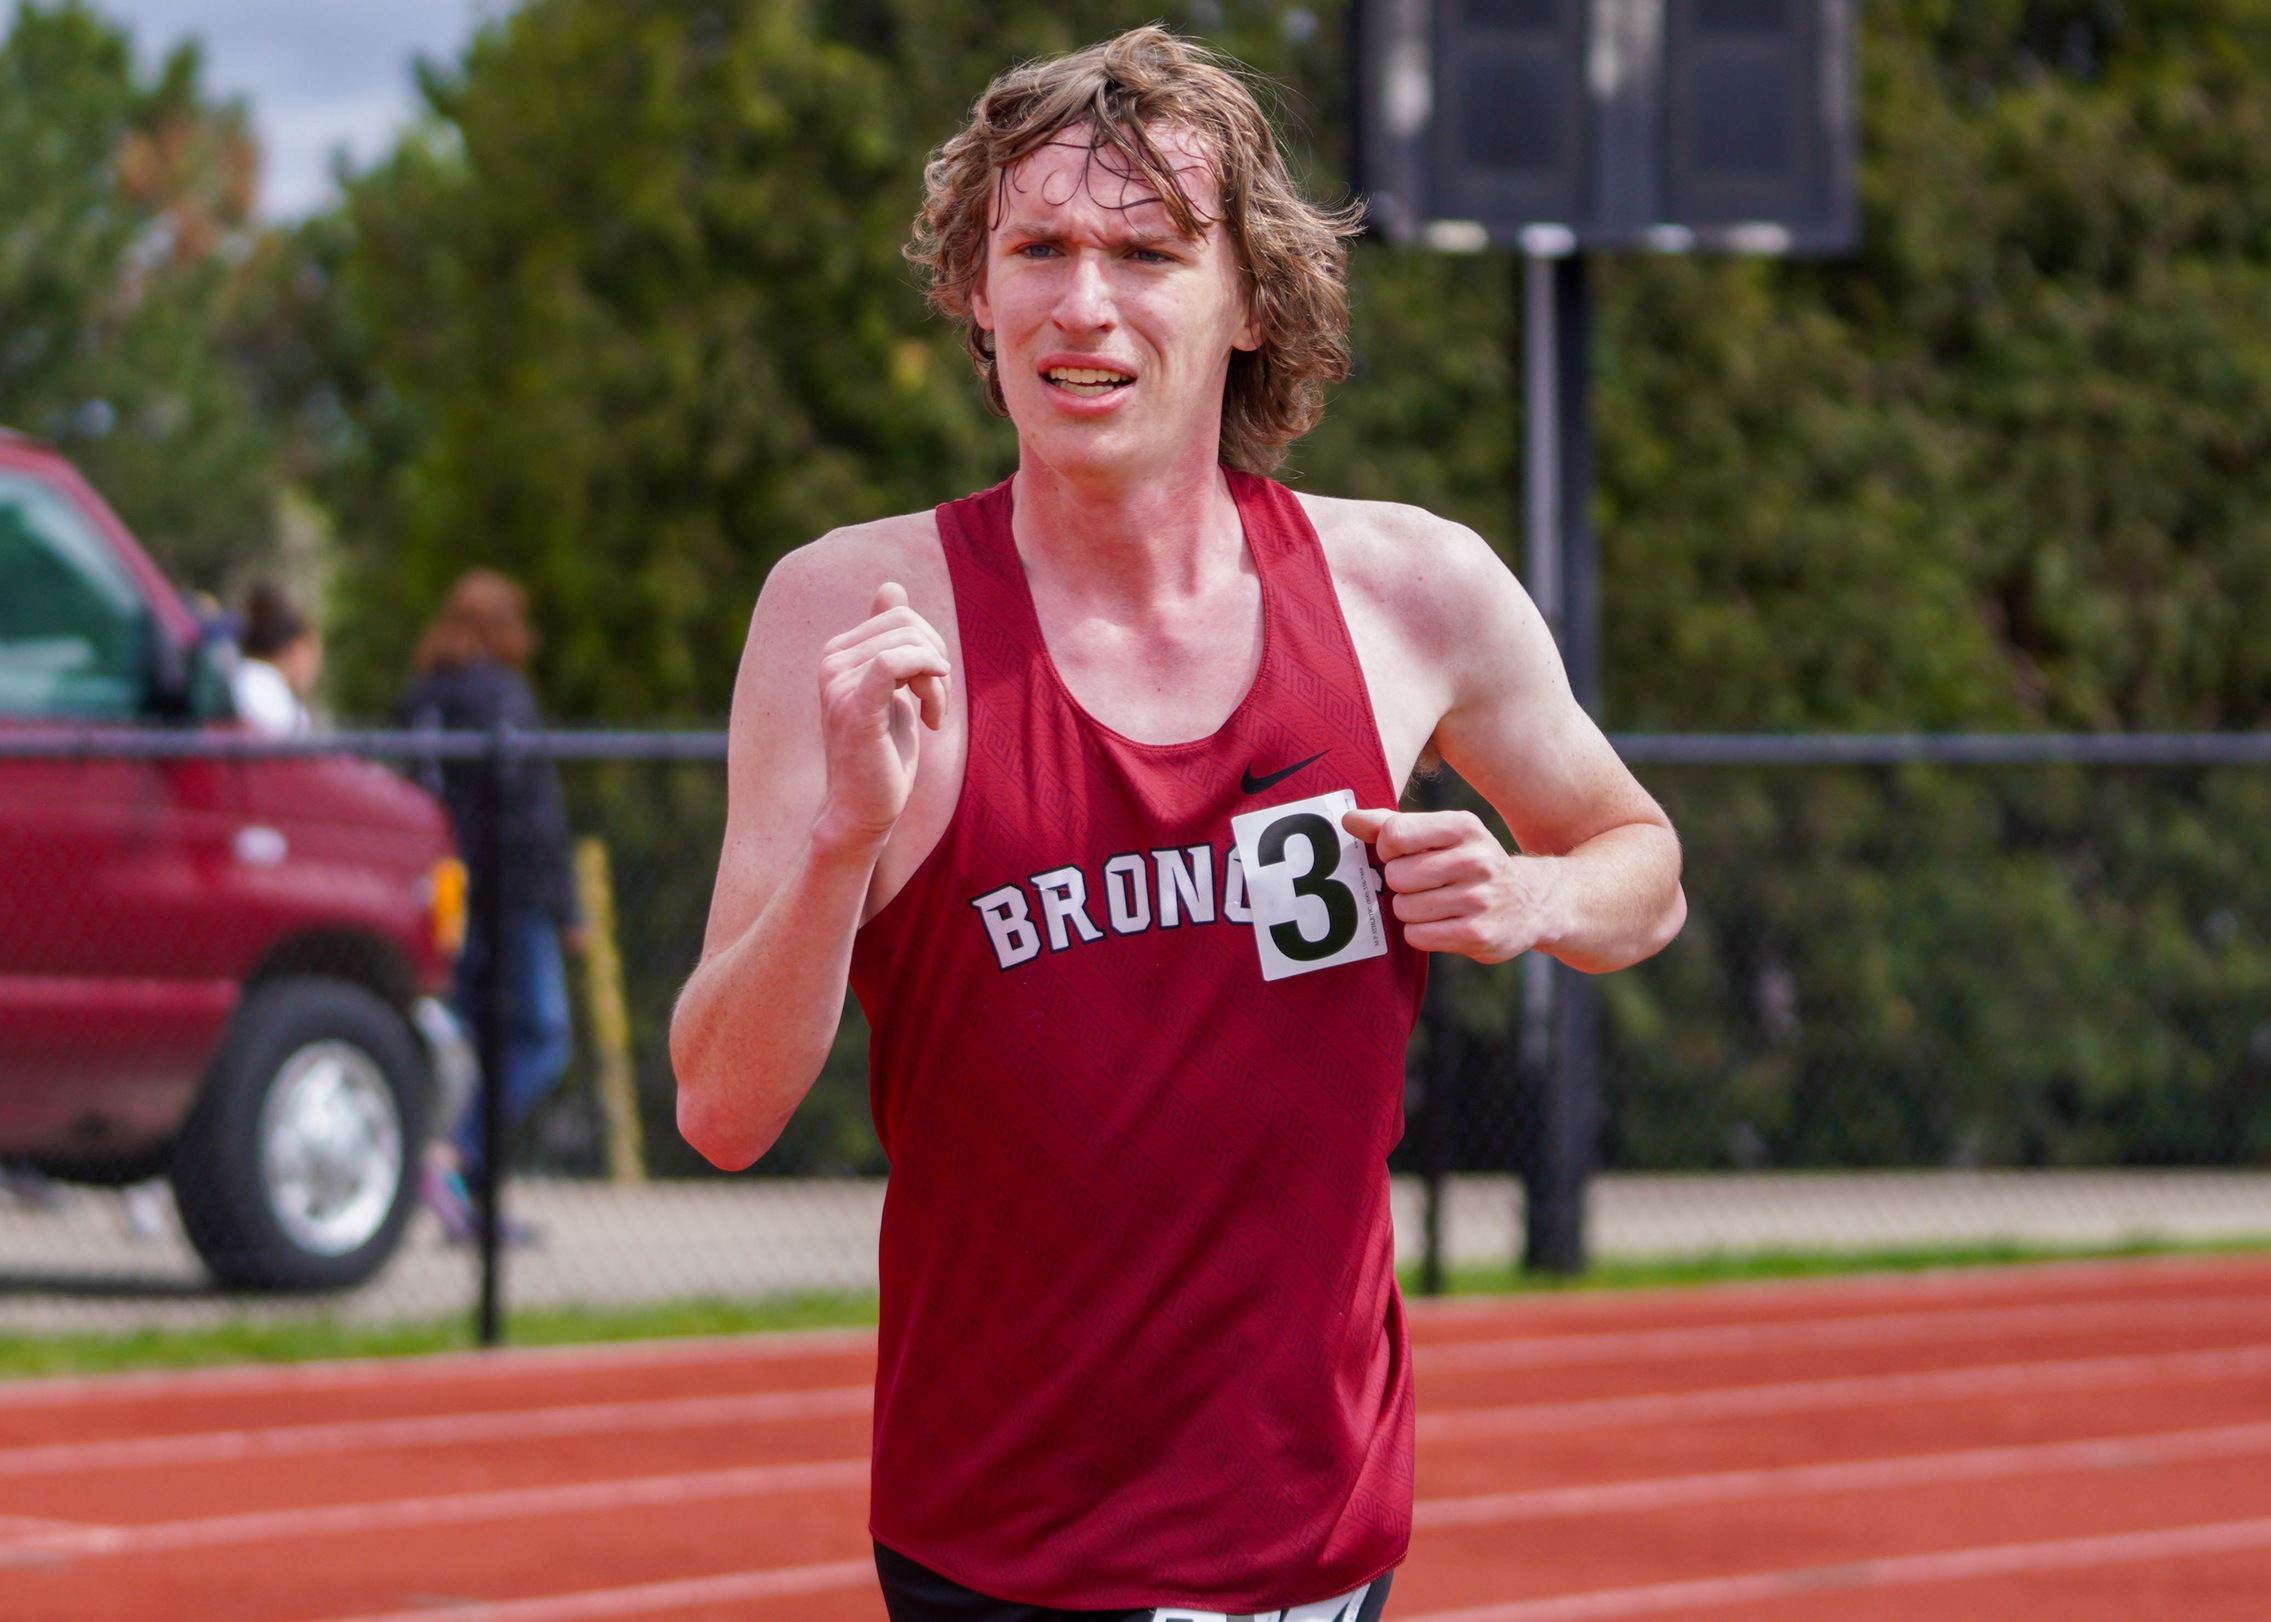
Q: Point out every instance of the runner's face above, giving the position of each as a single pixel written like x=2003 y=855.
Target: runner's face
x=1112 y=331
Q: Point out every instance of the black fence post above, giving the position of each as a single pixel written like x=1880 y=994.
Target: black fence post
x=1556 y=1241
x=489 y=890
x=1560 y=1007
x=1568 y=1125
x=1438 y=1103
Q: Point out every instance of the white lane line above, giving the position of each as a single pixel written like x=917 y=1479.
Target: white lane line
x=1900 y=1571
x=1856 y=1391
x=23 y=1530
x=514 y=1363
x=432 y=1430
x=731 y=1588
x=1855 y=1475
x=1812 y=1334
x=686 y=1413
x=23 y=1525
x=23 y=1539
x=409 y=1514
x=1893 y=1571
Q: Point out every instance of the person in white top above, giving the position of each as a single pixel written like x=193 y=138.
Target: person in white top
x=283 y=655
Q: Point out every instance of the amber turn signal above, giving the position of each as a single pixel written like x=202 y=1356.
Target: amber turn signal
x=446 y=884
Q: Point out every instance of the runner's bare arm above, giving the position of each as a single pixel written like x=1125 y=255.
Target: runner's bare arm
x=1469 y=665
x=836 y=705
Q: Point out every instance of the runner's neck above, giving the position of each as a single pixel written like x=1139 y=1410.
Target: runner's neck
x=1132 y=550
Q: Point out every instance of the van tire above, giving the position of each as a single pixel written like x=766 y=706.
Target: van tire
x=297 y=1169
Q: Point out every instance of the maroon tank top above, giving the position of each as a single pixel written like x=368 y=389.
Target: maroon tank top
x=1138 y=1072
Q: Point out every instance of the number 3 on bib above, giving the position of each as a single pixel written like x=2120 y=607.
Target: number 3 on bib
x=1311 y=886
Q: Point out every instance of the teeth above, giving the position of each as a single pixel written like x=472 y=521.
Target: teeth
x=1083 y=374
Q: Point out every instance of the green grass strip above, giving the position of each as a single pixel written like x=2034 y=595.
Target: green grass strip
x=1735 y=1267
x=301 y=1339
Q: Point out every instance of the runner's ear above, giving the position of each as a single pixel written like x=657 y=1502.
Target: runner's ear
x=1249 y=334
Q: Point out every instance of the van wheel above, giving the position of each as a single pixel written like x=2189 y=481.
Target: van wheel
x=295 y=1170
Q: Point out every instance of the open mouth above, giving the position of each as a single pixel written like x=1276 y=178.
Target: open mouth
x=1090 y=382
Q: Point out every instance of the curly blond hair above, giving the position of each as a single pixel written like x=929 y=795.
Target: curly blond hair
x=1292 y=255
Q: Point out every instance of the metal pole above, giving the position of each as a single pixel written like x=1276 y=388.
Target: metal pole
x=1559 y=1011
x=1439 y=1101
x=489 y=886
x=1556 y=1240
x=1541 y=574
x=1436 y=1011
x=1579 y=582
x=1541 y=441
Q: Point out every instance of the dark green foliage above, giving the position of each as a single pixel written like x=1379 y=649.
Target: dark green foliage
x=639 y=288
x=2009 y=466
x=128 y=267
x=2006 y=469
x=2036 y=966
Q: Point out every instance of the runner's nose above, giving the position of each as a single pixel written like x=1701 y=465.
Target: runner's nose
x=1086 y=304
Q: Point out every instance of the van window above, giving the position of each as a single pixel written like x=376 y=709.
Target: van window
x=73 y=629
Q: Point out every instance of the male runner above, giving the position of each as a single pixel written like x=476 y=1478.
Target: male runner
x=1081 y=814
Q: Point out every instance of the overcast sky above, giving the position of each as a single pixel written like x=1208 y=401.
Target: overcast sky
x=320 y=74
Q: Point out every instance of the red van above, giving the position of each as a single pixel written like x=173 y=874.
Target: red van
x=228 y=971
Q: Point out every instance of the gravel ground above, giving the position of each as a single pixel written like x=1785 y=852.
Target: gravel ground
x=83 y=1259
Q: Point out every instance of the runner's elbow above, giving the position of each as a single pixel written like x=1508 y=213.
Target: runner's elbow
x=708 y=1118
x=720 y=1135
x=1669 y=922
x=1656 y=930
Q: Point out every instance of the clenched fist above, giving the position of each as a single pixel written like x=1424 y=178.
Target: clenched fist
x=877 y=680
x=1455 y=888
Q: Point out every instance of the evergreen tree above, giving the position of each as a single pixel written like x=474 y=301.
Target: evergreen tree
x=128 y=264
x=638 y=287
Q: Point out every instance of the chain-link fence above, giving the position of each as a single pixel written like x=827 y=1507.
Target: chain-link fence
x=1931 y=992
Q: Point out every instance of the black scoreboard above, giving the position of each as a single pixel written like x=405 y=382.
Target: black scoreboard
x=1555 y=125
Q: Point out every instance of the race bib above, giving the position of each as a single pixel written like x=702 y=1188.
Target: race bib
x=1344 y=1609
x=1310 y=886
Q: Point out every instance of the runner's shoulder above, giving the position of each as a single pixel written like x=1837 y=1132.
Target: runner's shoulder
x=828 y=585
x=863 y=555
x=1425 y=571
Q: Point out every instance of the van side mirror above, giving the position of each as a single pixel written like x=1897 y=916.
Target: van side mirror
x=212 y=677
x=190 y=682
x=165 y=668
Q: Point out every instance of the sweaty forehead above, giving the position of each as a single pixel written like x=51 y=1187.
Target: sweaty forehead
x=1071 y=175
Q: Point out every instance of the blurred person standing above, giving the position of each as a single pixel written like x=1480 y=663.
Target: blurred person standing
x=470 y=677
x=282 y=657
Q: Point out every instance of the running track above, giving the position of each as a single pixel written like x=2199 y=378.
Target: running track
x=2086 y=1443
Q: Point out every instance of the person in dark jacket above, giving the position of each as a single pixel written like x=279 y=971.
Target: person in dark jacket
x=469 y=678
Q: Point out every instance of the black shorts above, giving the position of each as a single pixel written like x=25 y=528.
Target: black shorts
x=912 y=1592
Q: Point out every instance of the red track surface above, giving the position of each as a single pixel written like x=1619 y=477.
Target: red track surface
x=2084 y=1443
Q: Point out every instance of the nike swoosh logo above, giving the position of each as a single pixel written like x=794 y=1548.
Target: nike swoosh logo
x=1250 y=784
